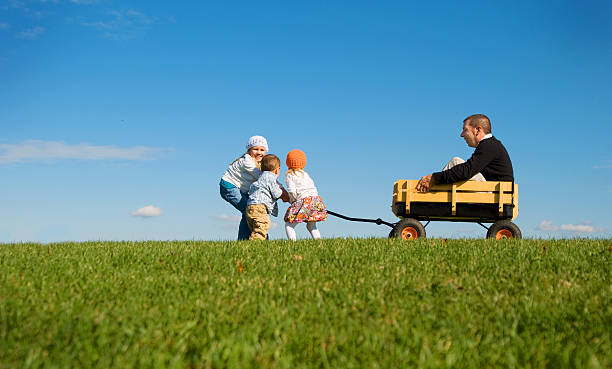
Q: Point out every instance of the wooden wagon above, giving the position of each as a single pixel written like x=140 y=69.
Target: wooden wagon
x=467 y=201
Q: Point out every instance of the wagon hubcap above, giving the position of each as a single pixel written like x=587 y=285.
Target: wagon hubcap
x=503 y=233
x=409 y=232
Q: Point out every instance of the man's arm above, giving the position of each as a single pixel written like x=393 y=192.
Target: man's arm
x=482 y=156
x=425 y=183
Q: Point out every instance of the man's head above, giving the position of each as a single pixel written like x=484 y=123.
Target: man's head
x=475 y=127
x=270 y=163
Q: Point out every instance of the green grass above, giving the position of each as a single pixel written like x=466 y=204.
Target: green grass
x=372 y=303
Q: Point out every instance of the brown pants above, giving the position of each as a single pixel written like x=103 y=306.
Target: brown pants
x=258 y=221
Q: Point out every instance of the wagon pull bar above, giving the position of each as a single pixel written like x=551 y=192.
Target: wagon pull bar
x=377 y=221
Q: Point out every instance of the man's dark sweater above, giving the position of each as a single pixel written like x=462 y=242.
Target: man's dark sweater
x=490 y=159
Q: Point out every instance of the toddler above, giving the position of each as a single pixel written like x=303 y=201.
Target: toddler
x=236 y=181
x=263 y=195
x=306 y=205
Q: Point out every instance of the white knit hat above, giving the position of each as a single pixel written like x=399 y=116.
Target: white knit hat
x=257 y=141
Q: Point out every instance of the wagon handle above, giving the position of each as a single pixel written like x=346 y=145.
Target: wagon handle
x=378 y=221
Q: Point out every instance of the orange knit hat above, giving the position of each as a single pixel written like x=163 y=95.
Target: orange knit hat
x=296 y=159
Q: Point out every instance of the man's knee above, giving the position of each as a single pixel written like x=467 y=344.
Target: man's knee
x=454 y=161
x=457 y=160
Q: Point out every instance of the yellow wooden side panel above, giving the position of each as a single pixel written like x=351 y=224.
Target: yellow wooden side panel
x=461 y=197
x=465 y=186
x=464 y=192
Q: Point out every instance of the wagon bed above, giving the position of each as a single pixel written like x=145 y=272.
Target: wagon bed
x=467 y=201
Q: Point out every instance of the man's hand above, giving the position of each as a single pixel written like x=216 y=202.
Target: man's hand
x=285 y=195
x=424 y=184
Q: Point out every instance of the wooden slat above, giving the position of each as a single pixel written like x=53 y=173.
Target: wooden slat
x=500 y=197
x=454 y=199
x=476 y=197
x=408 y=198
x=515 y=202
x=430 y=196
x=475 y=186
x=397 y=194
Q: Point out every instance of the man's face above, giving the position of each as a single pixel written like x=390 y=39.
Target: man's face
x=469 y=134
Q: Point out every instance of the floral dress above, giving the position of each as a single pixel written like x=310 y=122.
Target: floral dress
x=307 y=209
x=306 y=204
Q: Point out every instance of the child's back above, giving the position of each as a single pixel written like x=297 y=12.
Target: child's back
x=263 y=195
x=266 y=191
x=306 y=204
x=299 y=185
x=242 y=173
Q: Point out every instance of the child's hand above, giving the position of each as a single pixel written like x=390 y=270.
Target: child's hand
x=285 y=195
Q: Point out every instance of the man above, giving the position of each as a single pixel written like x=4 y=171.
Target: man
x=489 y=162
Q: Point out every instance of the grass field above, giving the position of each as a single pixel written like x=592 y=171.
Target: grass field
x=331 y=304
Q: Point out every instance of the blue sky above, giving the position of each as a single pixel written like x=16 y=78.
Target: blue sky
x=117 y=118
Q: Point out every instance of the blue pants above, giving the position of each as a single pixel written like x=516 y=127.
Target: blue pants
x=238 y=200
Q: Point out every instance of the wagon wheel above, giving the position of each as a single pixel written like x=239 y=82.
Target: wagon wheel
x=504 y=229
x=408 y=229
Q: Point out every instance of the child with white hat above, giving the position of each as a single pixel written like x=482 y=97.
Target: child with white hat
x=306 y=204
x=237 y=179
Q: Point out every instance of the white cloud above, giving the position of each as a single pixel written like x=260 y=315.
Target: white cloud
x=228 y=218
x=31 y=33
x=147 y=212
x=606 y=165
x=546 y=225
x=4 y=26
x=230 y=221
x=122 y=24
x=585 y=227
x=14 y=4
x=36 y=150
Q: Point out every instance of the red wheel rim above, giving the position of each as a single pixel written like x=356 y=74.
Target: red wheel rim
x=503 y=233
x=409 y=233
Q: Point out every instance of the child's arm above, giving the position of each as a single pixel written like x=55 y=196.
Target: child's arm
x=291 y=188
x=250 y=166
x=277 y=191
x=285 y=195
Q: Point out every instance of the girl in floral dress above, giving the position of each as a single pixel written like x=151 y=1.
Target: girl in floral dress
x=306 y=205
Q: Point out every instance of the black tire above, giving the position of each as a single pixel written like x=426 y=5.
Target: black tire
x=504 y=229
x=408 y=229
